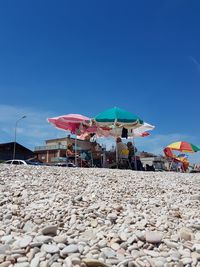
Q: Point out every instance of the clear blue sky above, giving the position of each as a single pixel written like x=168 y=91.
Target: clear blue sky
x=60 y=57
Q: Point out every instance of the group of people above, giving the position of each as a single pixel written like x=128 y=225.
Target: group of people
x=124 y=151
x=83 y=158
x=129 y=151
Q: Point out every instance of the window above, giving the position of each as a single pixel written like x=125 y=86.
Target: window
x=15 y=162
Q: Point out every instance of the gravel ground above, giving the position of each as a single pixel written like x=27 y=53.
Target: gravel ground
x=65 y=217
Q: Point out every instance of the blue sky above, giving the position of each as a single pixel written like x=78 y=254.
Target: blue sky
x=60 y=57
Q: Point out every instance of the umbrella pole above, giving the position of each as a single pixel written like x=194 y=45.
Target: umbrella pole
x=135 y=162
x=117 y=157
x=171 y=165
x=117 y=160
x=76 y=150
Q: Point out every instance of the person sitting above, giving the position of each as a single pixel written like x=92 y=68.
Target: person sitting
x=150 y=168
x=133 y=159
x=96 y=154
x=122 y=152
x=132 y=150
x=70 y=154
x=122 y=148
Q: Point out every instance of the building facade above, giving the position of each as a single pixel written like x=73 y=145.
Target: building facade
x=54 y=150
x=158 y=162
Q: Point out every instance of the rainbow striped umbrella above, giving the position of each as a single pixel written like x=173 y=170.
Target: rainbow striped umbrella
x=184 y=147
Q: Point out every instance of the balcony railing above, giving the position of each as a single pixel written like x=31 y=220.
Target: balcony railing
x=53 y=147
x=58 y=159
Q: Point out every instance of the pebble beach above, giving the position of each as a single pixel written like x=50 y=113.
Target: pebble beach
x=65 y=217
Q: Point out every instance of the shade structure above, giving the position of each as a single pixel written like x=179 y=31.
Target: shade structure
x=182 y=158
x=184 y=147
x=117 y=119
x=107 y=131
x=142 y=130
x=117 y=115
x=69 y=122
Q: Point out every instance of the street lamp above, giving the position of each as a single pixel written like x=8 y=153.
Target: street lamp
x=16 y=134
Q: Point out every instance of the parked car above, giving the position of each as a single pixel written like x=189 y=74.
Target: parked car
x=63 y=164
x=22 y=162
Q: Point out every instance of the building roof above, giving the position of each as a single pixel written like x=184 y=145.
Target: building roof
x=11 y=144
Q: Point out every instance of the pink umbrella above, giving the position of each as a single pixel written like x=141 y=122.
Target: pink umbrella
x=70 y=122
x=78 y=124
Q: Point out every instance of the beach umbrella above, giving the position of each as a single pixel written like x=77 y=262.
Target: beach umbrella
x=70 y=122
x=183 y=146
x=118 y=117
x=142 y=130
x=181 y=158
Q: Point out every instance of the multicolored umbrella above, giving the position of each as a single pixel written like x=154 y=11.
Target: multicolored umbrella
x=182 y=158
x=184 y=147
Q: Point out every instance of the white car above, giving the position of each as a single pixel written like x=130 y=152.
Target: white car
x=22 y=162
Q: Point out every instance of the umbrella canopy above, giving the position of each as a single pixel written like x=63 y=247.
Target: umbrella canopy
x=142 y=130
x=70 y=122
x=183 y=147
x=75 y=118
x=117 y=119
x=117 y=115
